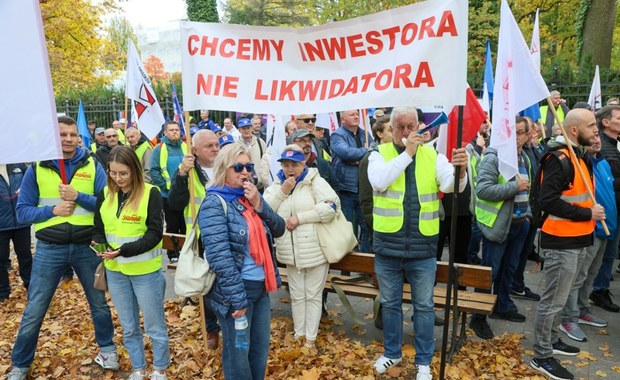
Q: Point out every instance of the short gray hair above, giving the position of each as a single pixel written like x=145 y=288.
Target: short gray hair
x=402 y=111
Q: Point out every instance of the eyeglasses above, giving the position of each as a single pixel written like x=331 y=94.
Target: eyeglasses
x=108 y=136
x=521 y=133
x=309 y=120
x=121 y=175
x=238 y=168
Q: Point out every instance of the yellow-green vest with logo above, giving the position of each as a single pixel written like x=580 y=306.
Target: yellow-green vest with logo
x=128 y=227
x=83 y=181
x=199 y=194
x=163 y=162
x=388 y=209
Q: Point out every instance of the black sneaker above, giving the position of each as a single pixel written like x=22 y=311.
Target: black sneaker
x=526 y=294
x=536 y=257
x=474 y=260
x=552 y=368
x=561 y=348
x=512 y=316
x=603 y=299
x=618 y=268
x=481 y=328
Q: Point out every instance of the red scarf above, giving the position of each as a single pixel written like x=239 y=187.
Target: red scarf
x=259 y=247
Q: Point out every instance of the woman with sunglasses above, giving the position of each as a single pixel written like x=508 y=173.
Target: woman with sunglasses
x=237 y=227
x=129 y=220
x=303 y=199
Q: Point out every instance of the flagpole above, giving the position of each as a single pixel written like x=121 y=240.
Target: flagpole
x=451 y=267
x=126 y=118
x=573 y=158
x=192 y=208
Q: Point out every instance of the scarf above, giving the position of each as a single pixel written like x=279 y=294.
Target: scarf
x=311 y=159
x=301 y=177
x=228 y=193
x=259 y=247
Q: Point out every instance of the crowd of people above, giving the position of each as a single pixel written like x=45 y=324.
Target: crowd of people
x=116 y=198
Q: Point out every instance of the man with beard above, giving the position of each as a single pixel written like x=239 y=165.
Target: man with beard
x=569 y=217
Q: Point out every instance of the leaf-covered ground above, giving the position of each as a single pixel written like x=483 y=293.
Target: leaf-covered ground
x=66 y=348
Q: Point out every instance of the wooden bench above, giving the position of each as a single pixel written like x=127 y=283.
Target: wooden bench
x=462 y=301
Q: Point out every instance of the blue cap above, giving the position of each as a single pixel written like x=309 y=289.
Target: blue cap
x=193 y=130
x=244 y=123
x=216 y=128
x=292 y=155
x=225 y=140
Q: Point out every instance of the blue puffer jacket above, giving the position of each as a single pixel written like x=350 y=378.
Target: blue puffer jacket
x=225 y=239
x=346 y=157
x=8 y=197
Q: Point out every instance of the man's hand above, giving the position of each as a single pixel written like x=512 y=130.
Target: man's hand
x=598 y=212
x=413 y=141
x=64 y=208
x=186 y=165
x=67 y=192
x=459 y=158
x=523 y=184
x=288 y=185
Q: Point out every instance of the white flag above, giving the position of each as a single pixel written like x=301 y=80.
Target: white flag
x=535 y=45
x=138 y=88
x=26 y=86
x=595 y=98
x=518 y=85
x=484 y=103
x=327 y=120
x=276 y=123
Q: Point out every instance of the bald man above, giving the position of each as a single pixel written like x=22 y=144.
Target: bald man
x=569 y=217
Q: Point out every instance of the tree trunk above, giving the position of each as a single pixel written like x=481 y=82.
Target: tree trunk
x=598 y=30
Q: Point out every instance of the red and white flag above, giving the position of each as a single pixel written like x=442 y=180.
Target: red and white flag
x=535 y=45
x=26 y=86
x=138 y=88
x=327 y=120
x=518 y=85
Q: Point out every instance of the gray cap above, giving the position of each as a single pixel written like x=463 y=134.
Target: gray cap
x=99 y=130
x=299 y=134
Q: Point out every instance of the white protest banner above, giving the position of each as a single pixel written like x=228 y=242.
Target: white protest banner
x=27 y=97
x=411 y=55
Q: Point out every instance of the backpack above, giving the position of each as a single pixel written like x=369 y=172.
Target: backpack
x=538 y=215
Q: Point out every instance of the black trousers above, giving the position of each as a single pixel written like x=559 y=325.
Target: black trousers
x=21 y=243
x=463 y=235
x=175 y=224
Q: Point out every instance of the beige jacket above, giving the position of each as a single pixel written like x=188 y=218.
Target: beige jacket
x=300 y=247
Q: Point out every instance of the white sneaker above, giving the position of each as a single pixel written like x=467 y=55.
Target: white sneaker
x=424 y=372
x=156 y=375
x=17 y=374
x=137 y=375
x=108 y=360
x=383 y=364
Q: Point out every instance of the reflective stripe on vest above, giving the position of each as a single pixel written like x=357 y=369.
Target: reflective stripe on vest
x=163 y=161
x=199 y=193
x=486 y=211
x=388 y=209
x=83 y=181
x=576 y=195
x=128 y=227
x=141 y=150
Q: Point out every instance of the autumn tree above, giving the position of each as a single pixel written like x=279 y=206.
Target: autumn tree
x=119 y=30
x=595 y=32
x=202 y=10
x=292 y=13
x=155 y=69
x=75 y=46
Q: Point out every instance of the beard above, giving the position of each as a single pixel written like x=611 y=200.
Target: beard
x=583 y=141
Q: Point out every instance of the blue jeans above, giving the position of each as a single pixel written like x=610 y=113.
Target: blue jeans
x=503 y=258
x=350 y=204
x=49 y=263
x=560 y=271
x=421 y=276
x=601 y=282
x=130 y=294
x=474 y=242
x=239 y=364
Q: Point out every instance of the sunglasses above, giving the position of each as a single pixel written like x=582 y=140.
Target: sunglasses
x=309 y=119
x=238 y=168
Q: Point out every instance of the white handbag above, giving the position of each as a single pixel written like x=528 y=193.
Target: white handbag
x=193 y=275
x=336 y=237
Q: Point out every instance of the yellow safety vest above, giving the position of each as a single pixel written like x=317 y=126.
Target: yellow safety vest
x=93 y=147
x=142 y=148
x=129 y=226
x=83 y=181
x=388 y=210
x=163 y=162
x=199 y=194
x=121 y=135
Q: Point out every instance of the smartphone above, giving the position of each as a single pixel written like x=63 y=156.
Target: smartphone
x=99 y=247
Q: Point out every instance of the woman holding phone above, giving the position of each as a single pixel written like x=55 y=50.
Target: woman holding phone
x=129 y=219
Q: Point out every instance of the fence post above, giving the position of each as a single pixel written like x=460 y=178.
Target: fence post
x=67 y=106
x=114 y=113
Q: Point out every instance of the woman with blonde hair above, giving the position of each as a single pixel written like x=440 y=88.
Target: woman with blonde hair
x=237 y=227
x=129 y=220
x=303 y=199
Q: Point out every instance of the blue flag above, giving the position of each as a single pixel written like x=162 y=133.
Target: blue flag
x=178 y=111
x=83 y=126
x=533 y=112
x=488 y=71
